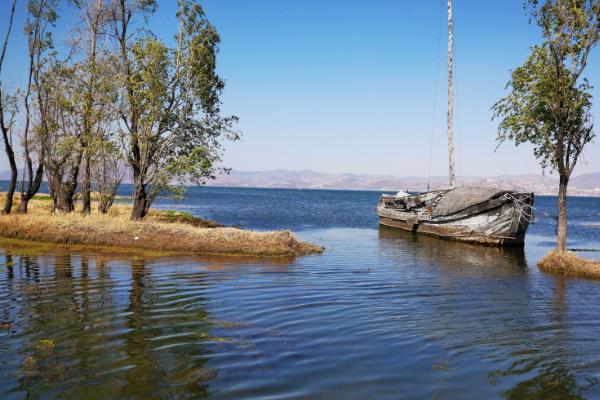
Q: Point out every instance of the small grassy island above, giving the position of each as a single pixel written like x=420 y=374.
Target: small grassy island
x=165 y=231
x=567 y=263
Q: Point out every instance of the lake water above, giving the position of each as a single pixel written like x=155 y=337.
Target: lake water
x=381 y=314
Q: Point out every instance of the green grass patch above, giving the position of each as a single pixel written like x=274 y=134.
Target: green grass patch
x=42 y=196
x=184 y=217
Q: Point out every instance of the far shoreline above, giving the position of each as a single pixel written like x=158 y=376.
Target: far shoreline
x=216 y=185
x=591 y=196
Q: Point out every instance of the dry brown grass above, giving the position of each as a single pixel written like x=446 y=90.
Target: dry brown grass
x=567 y=263
x=160 y=231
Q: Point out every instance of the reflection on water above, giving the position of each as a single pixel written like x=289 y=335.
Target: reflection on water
x=381 y=314
x=553 y=384
x=555 y=381
x=451 y=254
x=84 y=327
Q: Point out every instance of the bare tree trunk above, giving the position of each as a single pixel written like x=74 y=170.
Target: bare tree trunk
x=85 y=189
x=54 y=189
x=22 y=209
x=561 y=231
x=68 y=189
x=65 y=201
x=12 y=185
x=62 y=194
x=140 y=201
x=33 y=185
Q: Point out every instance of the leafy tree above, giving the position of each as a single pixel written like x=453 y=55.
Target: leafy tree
x=41 y=16
x=8 y=113
x=95 y=107
x=550 y=101
x=60 y=143
x=172 y=125
x=79 y=95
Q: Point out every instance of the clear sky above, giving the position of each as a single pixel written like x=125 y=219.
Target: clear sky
x=349 y=86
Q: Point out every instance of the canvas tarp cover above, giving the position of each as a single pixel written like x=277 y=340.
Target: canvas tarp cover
x=462 y=198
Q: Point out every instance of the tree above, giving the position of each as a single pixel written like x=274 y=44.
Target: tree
x=550 y=101
x=8 y=112
x=97 y=83
x=78 y=96
x=172 y=126
x=41 y=15
x=60 y=140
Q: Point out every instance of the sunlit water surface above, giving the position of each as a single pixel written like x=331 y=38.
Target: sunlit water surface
x=381 y=314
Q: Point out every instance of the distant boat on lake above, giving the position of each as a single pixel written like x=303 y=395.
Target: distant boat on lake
x=470 y=214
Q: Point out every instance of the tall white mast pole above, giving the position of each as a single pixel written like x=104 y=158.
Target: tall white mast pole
x=451 y=167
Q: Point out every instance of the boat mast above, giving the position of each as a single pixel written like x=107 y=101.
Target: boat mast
x=451 y=166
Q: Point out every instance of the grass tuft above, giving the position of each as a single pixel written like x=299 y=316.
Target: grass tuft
x=567 y=263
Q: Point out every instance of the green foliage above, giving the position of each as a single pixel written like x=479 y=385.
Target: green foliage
x=199 y=45
x=45 y=11
x=171 y=99
x=548 y=111
x=549 y=103
x=184 y=217
x=119 y=95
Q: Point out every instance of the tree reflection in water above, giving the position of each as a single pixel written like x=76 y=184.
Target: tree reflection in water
x=494 y=317
x=92 y=325
x=96 y=327
x=554 y=382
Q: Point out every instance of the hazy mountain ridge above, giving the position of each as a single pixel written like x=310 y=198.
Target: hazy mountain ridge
x=581 y=185
x=586 y=184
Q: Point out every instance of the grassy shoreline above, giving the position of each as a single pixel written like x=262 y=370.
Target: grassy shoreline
x=162 y=231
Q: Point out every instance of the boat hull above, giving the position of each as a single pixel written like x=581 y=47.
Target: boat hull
x=497 y=222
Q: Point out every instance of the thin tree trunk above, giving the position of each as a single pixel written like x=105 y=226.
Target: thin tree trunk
x=85 y=189
x=561 y=231
x=54 y=185
x=12 y=185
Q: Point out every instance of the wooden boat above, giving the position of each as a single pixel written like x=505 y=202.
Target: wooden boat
x=470 y=214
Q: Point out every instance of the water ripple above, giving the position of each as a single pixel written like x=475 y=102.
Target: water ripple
x=381 y=314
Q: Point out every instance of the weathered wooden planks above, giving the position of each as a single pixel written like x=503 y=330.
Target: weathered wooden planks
x=501 y=219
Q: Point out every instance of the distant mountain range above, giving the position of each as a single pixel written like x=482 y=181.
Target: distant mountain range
x=584 y=185
x=581 y=185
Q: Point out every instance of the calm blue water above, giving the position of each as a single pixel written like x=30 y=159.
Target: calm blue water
x=381 y=314
x=300 y=210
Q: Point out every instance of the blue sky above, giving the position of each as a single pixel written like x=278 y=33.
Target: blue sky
x=349 y=86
